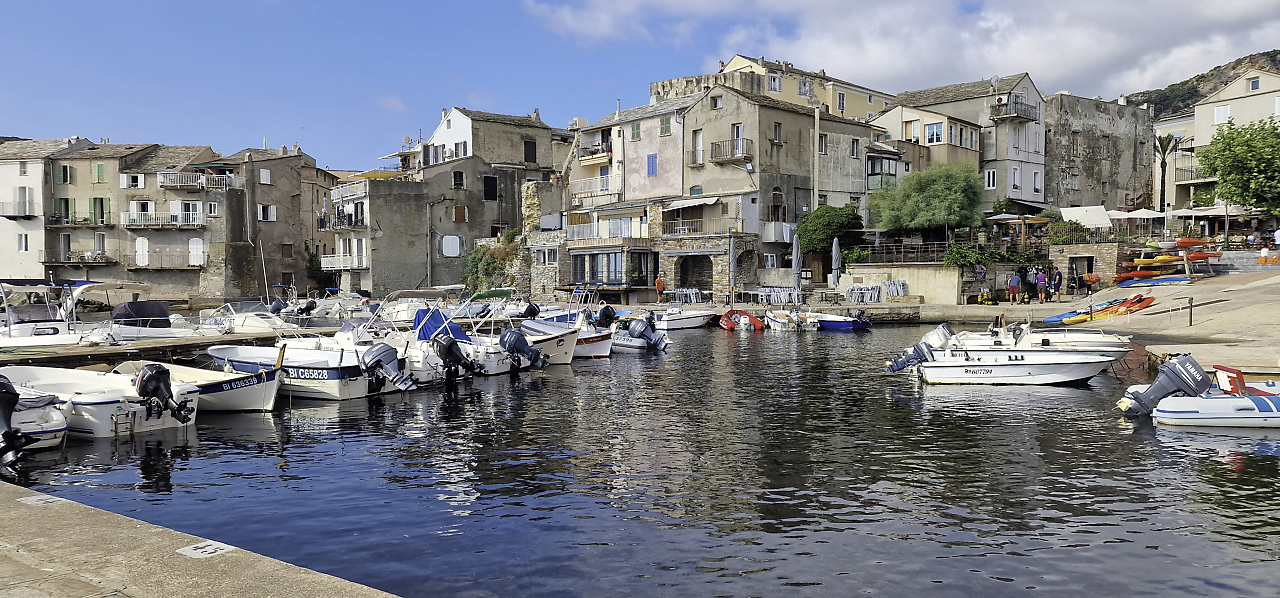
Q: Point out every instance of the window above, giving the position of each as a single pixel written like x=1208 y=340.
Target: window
x=264 y=176
x=1105 y=188
x=1035 y=181
x=286 y=278
x=490 y=188
x=1075 y=182
x=869 y=100
x=775 y=83
x=266 y=213
x=460 y=213
x=458 y=180
x=1017 y=177
x=771 y=260
x=211 y=209
x=777 y=213
x=530 y=151
x=99 y=173
x=450 y=246
x=133 y=181
x=777 y=131
x=550 y=257
x=717 y=102
x=822 y=143
x=695 y=190
x=822 y=199
x=64 y=174
x=961 y=137
x=853 y=151
x=1016 y=135
x=973 y=139
x=1075 y=143
x=448 y=123
x=460 y=149
x=23 y=242
x=933 y=133
x=664 y=125
x=840 y=101
x=906 y=167
x=22 y=168
x=991 y=179
x=100 y=242
x=871 y=115
x=735 y=131
x=805 y=87
x=286 y=251
x=951 y=134
x=1255 y=84
x=652 y=160
x=635 y=131
x=1278 y=106
x=1221 y=114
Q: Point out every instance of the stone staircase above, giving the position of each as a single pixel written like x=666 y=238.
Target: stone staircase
x=1242 y=262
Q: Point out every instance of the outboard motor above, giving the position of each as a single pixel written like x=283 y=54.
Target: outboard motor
x=606 y=317
x=306 y=310
x=451 y=354
x=382 y=361
x=1180 y=376
x=152 y=384
x=530 y=311
x=642 y=329
x=938 y=337
x=277 y=306
x=515 y=344
x=11 y=441
x=918 y=354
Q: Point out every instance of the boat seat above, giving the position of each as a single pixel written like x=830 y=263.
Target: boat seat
x=1235 y=383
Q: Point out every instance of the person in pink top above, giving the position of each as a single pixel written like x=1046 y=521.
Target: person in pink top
x=1042 y=284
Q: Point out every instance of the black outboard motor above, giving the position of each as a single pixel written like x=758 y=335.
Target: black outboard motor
x=306 y=310
x=451 y=354
x=11 y=441
x=530 y=311
x=515 y=344
x=382 y=362
x=918 y=354
x=1180 y=376
x=277 y=306
x=152 y=384
x=606 y=317
x=642 y=328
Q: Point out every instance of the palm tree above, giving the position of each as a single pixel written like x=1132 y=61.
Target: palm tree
x=1165 y=146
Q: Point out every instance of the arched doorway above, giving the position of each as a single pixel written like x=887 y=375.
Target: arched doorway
x=694 y=272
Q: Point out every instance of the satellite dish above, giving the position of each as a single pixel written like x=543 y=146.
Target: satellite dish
x=407 y=139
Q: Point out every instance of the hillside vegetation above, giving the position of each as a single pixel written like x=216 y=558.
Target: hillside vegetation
x=1185 y=94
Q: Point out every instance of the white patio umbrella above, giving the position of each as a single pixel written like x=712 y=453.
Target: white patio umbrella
x=796 y=260
x=835 y=261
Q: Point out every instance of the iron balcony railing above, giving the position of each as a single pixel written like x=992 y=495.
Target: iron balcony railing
x=343 y=262
x=709 y=226
x=78 y=219
x=602 y=230
x=195 y=180
x=161 y=259
x=695 y=157
x=732 y=149
x=601 y=185
x=1191 y=173
x=1016 y=109
x=342 y=221
x=72 y=257
x=162 y=219
x=595 y=150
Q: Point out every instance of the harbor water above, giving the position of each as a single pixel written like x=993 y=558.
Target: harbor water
x=747 y=464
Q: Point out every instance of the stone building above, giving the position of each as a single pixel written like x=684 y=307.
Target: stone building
x=1097 y=153
x=26 y=192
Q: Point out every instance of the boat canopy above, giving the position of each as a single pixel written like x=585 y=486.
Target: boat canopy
x=417 y=294
x=492 y=294
x=429 y=322
x=143 y=314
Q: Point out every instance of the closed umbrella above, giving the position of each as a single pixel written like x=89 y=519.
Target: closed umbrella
x=835 y=262
x=795 y=260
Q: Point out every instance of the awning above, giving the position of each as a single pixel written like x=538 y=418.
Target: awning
x=1089 y=216
x=682 y=252
x=1039 y=205
x=689 y=203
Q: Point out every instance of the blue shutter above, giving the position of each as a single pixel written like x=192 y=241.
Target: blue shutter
x=653 y=164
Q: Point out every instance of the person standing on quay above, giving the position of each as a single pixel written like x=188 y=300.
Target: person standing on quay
x=1055 y=285
x=1042 y=285
x=1015 y=287
x=657 y=284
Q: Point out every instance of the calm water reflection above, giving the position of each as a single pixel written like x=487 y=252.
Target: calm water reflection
x=738 y=465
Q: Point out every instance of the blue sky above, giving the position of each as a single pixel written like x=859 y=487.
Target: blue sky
x=348 y=81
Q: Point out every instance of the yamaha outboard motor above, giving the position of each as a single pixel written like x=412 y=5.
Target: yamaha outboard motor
x=11 y=440
x=451 y=354
x=641 y=328
x=918 y=354
x=1180 y=376
x=152 y=384
x=530 y=311
x=606 y=317
x=383 y=363
x=277 y=306
x=938 y=337
x=306 y=310
x=515 y=344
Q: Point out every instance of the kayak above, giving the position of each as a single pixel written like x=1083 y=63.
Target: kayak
x=1197 y=256
x=1062 y=316
x=1191 y=242
x=1159 y=259
x=1126 y=309
x=1156 y=282
x=1100 y=314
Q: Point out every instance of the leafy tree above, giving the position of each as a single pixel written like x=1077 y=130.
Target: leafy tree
x=1204 y=196
x=1165 y=146
x=1004 y=206
x=1246 y=160
x=315 y=272
x=819 y=227
x=943 y=196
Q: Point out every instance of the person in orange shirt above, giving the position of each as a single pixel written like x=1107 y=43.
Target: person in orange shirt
x=657 y=283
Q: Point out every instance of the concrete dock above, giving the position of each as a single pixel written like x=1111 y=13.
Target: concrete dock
x=55 y=548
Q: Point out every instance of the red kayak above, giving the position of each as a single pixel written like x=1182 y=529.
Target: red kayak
x=734 y=318
x=1197 y=256
x=1191 y=242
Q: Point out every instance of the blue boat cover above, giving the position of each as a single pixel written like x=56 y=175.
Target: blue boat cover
x=428 y=321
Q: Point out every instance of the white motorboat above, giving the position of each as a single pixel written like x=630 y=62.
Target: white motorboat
x=789 y=320
x=400 y=307
x=591 y=342
x=637 y=335
x=677 y=318
x=41 y=314
x=958 y=367
x=103 y=404
x=220 y=390
x=34 y=414
x=244 y=316
x=1021 y=333
x=331 y=374
x=133 y=320
x=1183 y=394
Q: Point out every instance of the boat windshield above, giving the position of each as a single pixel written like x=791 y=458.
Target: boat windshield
x=31 y=306
x=239 y=307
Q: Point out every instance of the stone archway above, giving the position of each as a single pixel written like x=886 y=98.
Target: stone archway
x=694 y=272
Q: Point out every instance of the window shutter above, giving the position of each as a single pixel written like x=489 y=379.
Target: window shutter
x=142 y=181
x=195 y=250
x=141 y=254
x=272 y=213
x=264 y=176
x=124 y=181
x=653 y=164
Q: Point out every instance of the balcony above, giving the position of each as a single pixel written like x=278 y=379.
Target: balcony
x=162 y=219
x=601 y=185
x=695 y=158
x=1190 y=174
x=709 y=226
x=732 y=150
x=343 y=262
x=176 y=259
x=67 y=257
x=881 y=181
x=19 y=209
x=343 y=221
x=775 y=232
x=1015 y=109
x=598 y=153
x=590 y=235
x=349 y=191
x=195 y=180
x=78 y=219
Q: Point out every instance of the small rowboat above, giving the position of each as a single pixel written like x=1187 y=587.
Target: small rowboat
x=736 y=318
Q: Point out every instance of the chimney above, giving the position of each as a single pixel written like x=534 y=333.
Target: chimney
x=104 y=140
x=762 y=59
x=1123 y=101
x=443 y=113
x=536 y=116
x=722 y=65
x=822 y=72
x=653 y=99
x=284 y=150
x=295 y=149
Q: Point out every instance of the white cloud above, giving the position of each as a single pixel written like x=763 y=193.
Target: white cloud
x=1091 y=47
x=392 y=103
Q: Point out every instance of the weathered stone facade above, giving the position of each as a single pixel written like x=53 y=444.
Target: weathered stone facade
x=1097 y=153
x=1104 y=257
x=702 y=262
x=545 y=275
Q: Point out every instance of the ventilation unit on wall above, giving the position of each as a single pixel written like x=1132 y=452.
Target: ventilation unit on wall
x=577 y=201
